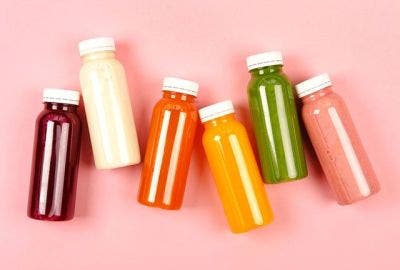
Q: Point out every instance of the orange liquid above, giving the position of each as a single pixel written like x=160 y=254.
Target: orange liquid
x=168 y=151
x=236 y=174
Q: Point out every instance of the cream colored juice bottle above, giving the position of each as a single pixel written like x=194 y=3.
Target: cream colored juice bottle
x=107 y=105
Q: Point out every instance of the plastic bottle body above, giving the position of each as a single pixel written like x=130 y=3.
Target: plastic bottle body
x=236 y=174
x=169 y=147
x=55 y=163
x=108 y=111
x=276 y=126
x=338 y=147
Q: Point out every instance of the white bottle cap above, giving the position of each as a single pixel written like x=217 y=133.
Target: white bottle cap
x=216 y=110
x=96 y=45
x=313 y=85
x=264 y=60
x=64 y=96
x=180 y=86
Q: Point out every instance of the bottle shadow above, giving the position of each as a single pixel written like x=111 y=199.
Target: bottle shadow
x=199 y=171
x=298 y=71
x=86 y=165
x=149 y=89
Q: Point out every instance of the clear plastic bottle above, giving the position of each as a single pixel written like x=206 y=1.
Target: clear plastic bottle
x=274 y=117
x=336 y=141
x=107 y=105
x=169 y=147
x=234 y=168
x=55 y=157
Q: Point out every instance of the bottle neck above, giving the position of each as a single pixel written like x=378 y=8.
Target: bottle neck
x=219 y=120
x=317 y=95
x=266 y=70
x=98 y=55
x=51 y=106
x=178 y=96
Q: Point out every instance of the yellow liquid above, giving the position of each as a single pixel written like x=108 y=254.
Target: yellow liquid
x=236 y=174
x=108 y=111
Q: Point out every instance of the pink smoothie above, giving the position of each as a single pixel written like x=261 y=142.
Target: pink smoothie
x=336 y=142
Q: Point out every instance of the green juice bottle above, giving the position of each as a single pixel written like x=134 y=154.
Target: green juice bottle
x=274 y=117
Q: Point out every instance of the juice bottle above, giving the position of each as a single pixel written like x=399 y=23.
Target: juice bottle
x=234 y=168
x=55 y=157
x=169 y=147
x=107 y=105
x=336 y=142
x=274 y=117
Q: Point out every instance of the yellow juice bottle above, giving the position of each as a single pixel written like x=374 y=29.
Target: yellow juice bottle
x=234 y=168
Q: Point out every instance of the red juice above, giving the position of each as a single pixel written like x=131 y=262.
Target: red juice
x=55 y=157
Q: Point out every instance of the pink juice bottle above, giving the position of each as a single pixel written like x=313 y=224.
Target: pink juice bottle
x=336 y=142
x=55 y=157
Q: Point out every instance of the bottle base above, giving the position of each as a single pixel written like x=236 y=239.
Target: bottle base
x=357 y=199
x=284 y=180
x=116 y=165
x=160 y=205
x=253 y=227
x=48 y=218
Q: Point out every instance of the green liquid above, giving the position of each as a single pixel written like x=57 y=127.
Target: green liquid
x=276 y=126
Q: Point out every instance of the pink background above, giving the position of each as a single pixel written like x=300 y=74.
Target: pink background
x=357 y=42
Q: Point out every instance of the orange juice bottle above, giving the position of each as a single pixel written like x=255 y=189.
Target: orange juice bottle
x=234 y=168
x=169 y=146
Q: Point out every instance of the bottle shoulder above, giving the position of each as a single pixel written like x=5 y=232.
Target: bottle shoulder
x=224 y=130
x=175 y=105
x=324 y=102
x=58 y=117
x=269 y=79
x=101 y=65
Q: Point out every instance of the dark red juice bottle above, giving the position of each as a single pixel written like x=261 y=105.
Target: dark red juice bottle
x=55 y=157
